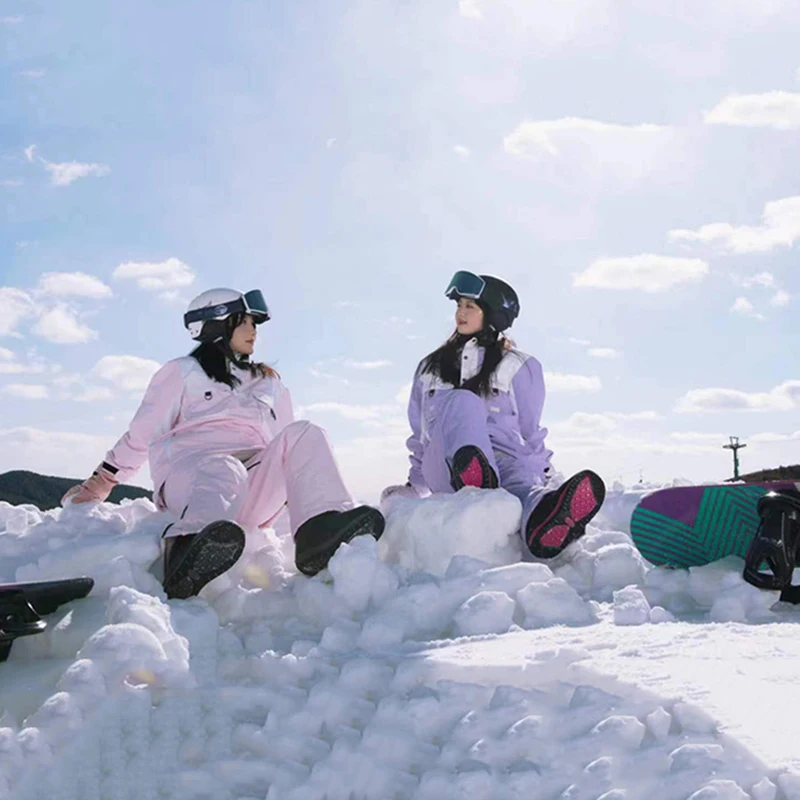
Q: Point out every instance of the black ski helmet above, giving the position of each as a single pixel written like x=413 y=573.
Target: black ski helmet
x=498 y=300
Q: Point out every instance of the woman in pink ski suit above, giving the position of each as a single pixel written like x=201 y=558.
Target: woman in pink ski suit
x=475 y=414
x=226 y=454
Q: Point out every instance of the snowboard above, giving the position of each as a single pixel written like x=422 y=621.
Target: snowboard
x=689 y=526
x=22 y=606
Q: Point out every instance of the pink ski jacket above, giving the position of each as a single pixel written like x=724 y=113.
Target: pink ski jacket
x=185 y=415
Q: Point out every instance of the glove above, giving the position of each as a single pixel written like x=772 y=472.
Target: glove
x=406 y=490
x=94 y=489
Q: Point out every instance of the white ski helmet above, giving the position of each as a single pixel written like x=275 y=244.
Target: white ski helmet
x=218 y=305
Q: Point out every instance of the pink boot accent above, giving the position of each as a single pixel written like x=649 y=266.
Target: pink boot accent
x=473 y=474
x=583 y=501
x=555 y=536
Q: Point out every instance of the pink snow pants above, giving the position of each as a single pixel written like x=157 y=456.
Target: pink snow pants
x=296 y=469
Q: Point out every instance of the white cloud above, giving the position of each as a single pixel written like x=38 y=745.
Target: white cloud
x=10 y=366
x=404 y=393
x=784 y=397
x=30 y=152
x=582 y=423
x=366 y=365
x=765 y=279
x=559 y=382
x=52 y=452
x=156 y=276
x=460 y=150
x=15 y=305
x=11 y=183
x=645 y=272
x=745 y=308
x=15 y=20
x=781 y=228
x=779 y=110
x=580 y=342
x=61 y=325
x=129 y=373
x=70 y=171
x=470 y=9
x=33 y=74
x=533 y=138
x=781 y=299
x=603 y=352
x=92 y=394
x=73 y=284
x=28 y=391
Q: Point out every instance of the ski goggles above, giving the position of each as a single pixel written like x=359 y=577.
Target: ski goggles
x=251 y=302
x=465 y=284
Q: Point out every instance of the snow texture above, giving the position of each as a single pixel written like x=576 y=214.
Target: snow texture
x=437 y=663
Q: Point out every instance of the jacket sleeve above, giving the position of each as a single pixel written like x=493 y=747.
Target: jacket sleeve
x=529 y=393
x=414 y=442
x=156 y=415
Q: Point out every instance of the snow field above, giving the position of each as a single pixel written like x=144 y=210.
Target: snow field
x=372 y=680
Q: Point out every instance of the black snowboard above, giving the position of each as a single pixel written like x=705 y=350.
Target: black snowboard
x=22 y=606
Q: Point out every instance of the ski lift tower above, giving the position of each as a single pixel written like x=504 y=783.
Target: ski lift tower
x=736 y=447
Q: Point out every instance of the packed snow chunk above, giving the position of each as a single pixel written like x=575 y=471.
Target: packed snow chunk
x=59 y=717
x=742 y=602
x=720 y=790
x=789 y=784
x=765 y=789
x=693 y=719
x=130 y=653
x=128 y=605
x=659 y=615
x=617 y=566
x=659 y=723
x=426 y=534
x=631 y=607
x=554 y=603
x=696 y=756
x=625 y=731
x=485 y=612
x=359 y=577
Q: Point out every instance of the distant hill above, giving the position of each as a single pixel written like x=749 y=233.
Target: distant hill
x=775 y=474
x=45 y=491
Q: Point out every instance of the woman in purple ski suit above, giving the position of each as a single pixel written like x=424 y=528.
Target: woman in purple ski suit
x=475 y=414
x=226 y=453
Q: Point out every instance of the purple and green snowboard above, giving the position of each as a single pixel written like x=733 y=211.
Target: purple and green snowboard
x=689 y=526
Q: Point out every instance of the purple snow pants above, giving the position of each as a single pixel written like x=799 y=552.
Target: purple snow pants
x=462 y=420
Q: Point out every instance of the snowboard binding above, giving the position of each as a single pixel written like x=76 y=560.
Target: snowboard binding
x=772 y=555
x=22 y=606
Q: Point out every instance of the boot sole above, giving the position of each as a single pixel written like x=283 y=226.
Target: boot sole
x=214 y=551
x=370 y=521
x=463 y=461
x=560 y=515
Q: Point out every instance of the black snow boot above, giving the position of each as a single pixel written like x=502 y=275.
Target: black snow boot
x=772 y=555
x=318 y=538
x=470 y=467
x=194 y=559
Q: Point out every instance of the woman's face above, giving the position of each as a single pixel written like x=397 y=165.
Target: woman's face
x=469 y=316
x=243 y=338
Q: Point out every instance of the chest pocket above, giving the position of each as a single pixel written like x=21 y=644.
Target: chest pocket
x=266 y=402
x=205 y=399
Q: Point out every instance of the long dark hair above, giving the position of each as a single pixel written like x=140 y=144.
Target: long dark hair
x=216 y=357
x=445 y=361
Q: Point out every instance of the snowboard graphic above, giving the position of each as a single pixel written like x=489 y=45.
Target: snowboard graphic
x=22 y=606
x=689 y=526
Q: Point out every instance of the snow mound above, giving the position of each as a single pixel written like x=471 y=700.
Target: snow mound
x=434 y=663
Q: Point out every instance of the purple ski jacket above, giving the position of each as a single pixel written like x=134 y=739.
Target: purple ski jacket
x=513 y=409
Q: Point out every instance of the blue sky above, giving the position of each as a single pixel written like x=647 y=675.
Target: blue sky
x=631 y=170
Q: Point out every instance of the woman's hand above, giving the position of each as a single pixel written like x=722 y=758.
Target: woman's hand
x=94 y=489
